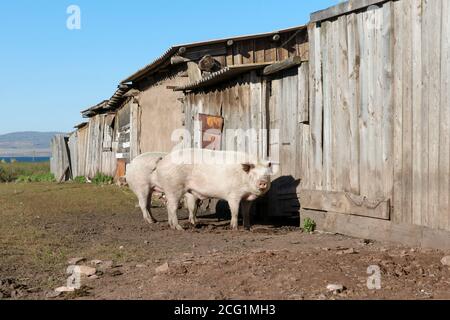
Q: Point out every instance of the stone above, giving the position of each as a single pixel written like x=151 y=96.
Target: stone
x=116 y=273
x=107 y=264
x=164 y=268
x=95 y=262
x=94 y=277
x=75 y=261
x=335 y=288
x=87 y=271
x=141 y=266
x=53 y=294
x=121 y=247
x=64 y=289
x=446 y=261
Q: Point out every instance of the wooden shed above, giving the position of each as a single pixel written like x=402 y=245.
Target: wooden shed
x=377 y=158
x=150 y=109
x=353 y=109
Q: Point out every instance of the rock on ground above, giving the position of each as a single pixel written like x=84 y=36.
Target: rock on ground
x=162 y=268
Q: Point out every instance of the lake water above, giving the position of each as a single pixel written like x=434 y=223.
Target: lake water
x=25 y=159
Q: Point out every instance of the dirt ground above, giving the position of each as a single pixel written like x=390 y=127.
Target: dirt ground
x=44 y=225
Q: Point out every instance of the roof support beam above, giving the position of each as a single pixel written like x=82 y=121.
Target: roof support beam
x=283 y=65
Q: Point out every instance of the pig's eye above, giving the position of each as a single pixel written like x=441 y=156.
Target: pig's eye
x=247 y=167
x=270 y=165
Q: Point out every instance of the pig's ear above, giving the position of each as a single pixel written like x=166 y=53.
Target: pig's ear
x=247 y=167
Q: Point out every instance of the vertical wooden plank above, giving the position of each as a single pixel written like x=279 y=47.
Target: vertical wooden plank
x=303 y=93
x=247 y=51
x=387 y=44
x=271 y=53
x=283 y=52
x=425 y=109
x=316 y=109
x=417 y=182
x=259 y=50
x=364 y=102
x=407 y=112
x=305 y=170
x=230 y=55
x=326 y=55
x=398 y=114
x=354 y=60
x=342 y=119
x=434 y=35
x=238 y=53
x=371 y=186
x=333 y=48
x=444 y=160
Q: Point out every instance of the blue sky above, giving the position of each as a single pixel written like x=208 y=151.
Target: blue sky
x=49 y=73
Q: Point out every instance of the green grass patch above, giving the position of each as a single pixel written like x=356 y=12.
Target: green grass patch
x=25 y=172
x=80 y=180
x=309 y=225
x=101 y=179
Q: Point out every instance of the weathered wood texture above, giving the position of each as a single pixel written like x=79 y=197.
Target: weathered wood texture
x=382 y=230
x=82 y=142
x=257 y=50
x=239 y=103
x=100 y=157
x=60 y=160
x=379 y=108
x=72 y=144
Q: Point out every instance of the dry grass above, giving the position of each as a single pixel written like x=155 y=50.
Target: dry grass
x=44 y=224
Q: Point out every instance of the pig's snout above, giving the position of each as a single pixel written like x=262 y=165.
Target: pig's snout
x=263 y=185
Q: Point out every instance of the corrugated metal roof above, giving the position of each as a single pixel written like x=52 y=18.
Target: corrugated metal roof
x=106 y=105
x=117 y=98
x=222 y=75
x=81 y=125
x=94 y=110
x=174 y=49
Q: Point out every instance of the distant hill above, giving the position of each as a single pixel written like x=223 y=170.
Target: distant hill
x=24 y=144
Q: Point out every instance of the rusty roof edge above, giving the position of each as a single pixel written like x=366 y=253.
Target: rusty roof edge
x=172 y=50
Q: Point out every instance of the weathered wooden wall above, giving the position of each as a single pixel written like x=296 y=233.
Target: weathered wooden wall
x=255 y=50
x=268 y=113
x=379 y=109
x=59 y=162
x=239 y=103
x=100 y=158
x=82 y=143
x=73 y=153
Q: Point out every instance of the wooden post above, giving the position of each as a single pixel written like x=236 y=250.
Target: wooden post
x=283 y=65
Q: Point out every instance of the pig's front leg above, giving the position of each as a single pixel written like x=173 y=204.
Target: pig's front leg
x=234 y=208
x=246 y=211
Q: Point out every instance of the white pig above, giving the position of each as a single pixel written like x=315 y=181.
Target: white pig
x=141 y=178
x=206 y=174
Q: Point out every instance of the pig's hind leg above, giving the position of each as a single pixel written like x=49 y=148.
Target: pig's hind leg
x=145 y=202
x=192 y=204
x=173 y=202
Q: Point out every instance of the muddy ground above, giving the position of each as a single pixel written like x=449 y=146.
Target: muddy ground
x=44 y=225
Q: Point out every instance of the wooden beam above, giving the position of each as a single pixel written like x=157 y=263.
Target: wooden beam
x=344 y=8
x=345 y=203
x=380 y=230
x=179 y=60
x=283 y=65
